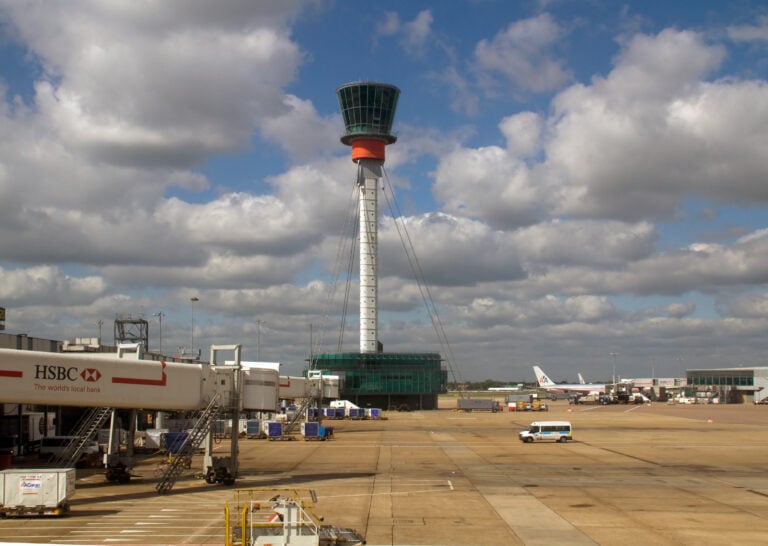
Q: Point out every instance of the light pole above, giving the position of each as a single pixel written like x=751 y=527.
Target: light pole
x=193 y=299
x=160 y=316
x=258 y=340
x=614 y=355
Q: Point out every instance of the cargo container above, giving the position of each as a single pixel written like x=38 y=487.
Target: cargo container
x=373 y=413
x=253 y=428
x=175 y=440
x=310 y=430
x=273 y=429
x=36 y=492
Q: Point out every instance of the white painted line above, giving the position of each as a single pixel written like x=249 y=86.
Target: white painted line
x=450 y=485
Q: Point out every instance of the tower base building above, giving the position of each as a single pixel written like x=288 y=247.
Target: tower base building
x=390 y=381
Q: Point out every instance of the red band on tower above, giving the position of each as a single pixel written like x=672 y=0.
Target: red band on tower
x=368 y=148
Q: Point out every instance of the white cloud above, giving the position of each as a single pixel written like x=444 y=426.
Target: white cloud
x=487 y=183
x=47 y=285
x=413 y=35
x=596 y=245
x=547 y=310
x=450 y=251
x=301 y=131
x=633 y=144
x=523 y=134
x=750 y=33
x=522 y=54
x=128 y=87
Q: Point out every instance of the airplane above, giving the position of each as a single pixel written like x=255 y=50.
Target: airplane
x=508 y=388
x=581 y=379
x=546 y=383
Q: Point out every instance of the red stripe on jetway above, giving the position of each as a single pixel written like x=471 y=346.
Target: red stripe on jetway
x=140 y=381
x=286 y=384
x=11 y=373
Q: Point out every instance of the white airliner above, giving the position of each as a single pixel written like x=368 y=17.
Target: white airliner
x=546 y=383
x=508 y=388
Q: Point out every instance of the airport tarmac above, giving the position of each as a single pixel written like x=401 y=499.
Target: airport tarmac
x=658 y=474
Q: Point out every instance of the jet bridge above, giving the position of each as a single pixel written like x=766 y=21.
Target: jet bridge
x=118 y=381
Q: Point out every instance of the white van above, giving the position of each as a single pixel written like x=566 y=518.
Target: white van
x=557 y=431
x=52 y=447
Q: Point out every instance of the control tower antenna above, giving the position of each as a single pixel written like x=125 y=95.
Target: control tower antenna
x=368 y=109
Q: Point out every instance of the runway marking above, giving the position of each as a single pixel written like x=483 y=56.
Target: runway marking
x=450 y=485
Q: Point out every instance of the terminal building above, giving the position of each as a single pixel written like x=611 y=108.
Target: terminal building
x=732 y=385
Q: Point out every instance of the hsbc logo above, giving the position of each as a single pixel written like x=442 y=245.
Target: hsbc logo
x=66 y=373
x=90 y=374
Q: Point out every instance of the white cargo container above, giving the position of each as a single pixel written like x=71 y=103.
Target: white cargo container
x=41 y=492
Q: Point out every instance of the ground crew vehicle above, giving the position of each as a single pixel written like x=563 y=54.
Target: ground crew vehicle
x=556 y=431
x=52 y=447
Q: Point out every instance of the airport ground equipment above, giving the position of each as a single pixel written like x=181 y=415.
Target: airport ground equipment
x=112 y=381
x=312 y=399
x=183 y=453
x=81 y=435
x=477 y=404
x=260 y=517
x=36 y=492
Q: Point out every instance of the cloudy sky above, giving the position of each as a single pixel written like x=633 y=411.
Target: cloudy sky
x=585 y=184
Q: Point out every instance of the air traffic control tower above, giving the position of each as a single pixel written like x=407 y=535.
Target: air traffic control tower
x=372 y=377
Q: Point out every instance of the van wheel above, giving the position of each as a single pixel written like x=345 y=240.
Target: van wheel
x=528 y=440
x=562 y=439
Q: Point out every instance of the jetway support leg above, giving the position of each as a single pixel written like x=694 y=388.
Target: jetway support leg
x=224 y=469
x=118 y=466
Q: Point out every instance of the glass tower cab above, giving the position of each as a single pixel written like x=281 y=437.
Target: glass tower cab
x=368 y=109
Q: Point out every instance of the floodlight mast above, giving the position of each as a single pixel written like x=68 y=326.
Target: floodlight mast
x=368 y=109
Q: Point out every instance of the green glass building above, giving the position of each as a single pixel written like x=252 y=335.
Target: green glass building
x=387 y=380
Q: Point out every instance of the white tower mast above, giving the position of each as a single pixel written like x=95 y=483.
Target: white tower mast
x=368 y=110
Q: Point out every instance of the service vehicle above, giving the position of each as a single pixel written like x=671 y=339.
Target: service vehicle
x=52 y=447
x=556 y=431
